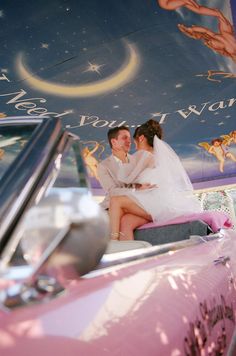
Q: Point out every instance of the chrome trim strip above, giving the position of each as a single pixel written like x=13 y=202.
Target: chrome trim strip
x=21 y=121
x=117 y=259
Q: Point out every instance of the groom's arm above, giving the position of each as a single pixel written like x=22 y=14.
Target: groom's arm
x=107 y=182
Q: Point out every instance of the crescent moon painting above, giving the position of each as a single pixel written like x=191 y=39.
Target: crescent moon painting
x=124 y=75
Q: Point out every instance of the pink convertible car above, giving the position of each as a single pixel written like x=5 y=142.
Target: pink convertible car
x=64 y=290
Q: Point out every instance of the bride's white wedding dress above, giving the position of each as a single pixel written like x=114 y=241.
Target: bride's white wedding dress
x=173 y=195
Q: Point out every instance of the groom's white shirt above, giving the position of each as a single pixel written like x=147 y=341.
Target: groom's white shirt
x=107 y=173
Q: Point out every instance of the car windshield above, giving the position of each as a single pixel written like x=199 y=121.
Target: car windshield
x=12 y=142
x=62 y=193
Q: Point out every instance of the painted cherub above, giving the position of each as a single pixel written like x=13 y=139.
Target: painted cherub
x=2 y=152
x=5 y=142
x=230 y=138
x=219 y=150
x=90 y=161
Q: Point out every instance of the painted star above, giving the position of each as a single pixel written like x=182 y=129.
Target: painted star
x=179 y=85
x=93 y=67
x=45 y=45
x=69 y=111
x=154 y=114
x=220 y=123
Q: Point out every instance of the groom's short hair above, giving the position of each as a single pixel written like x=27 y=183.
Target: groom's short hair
x=114 y=132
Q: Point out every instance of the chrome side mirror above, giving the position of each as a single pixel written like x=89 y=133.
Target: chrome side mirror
x=81 y=249
x=56 y=254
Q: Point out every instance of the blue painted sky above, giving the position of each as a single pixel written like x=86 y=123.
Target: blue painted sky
x=80 y=42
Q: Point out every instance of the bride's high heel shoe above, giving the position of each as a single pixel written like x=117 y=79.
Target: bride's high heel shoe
x=115 y=236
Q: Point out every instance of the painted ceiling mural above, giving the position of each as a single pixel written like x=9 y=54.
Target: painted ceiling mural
x=100 y=64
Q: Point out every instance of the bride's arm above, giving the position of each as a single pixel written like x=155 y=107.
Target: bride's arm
x=129 y=172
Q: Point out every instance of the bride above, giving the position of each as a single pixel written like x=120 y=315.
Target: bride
x=169 y=192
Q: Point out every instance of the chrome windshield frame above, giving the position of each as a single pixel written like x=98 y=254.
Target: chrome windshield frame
x=20 y=179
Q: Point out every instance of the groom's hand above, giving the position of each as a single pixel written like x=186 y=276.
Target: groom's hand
x=119 y=152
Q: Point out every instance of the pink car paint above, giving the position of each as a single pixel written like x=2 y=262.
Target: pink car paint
x=178 y=303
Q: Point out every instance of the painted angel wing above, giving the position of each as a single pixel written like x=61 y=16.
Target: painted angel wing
x=205 y=145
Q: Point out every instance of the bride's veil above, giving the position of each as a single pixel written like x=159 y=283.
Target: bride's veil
x=170 y=168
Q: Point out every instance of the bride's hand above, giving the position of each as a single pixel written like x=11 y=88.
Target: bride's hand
x=119 y=152
x=145 y=186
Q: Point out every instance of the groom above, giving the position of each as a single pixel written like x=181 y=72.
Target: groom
x=120 y=142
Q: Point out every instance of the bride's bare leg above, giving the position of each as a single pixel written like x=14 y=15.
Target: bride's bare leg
x=120 y=205
x=128 y=224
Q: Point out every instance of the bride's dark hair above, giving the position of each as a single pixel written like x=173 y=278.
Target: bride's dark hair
x=149 y=129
